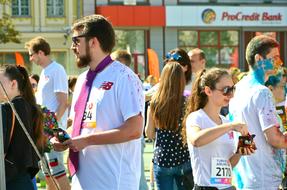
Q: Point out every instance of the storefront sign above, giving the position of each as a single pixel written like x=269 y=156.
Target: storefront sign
x=226 y=16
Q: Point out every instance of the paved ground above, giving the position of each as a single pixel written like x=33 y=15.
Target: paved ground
x=147 y=160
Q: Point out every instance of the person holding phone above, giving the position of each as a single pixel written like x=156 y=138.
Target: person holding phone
x=209 y=134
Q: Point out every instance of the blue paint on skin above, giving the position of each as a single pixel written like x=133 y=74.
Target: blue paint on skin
x=259 y=70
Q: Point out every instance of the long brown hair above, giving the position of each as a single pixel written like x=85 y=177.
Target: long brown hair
x=166 y=104
x=20 y=74
x=198 y=98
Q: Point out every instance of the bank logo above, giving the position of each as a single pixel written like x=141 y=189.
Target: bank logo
x=208 y=16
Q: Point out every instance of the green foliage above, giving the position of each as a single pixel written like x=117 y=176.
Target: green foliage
x=7 y=28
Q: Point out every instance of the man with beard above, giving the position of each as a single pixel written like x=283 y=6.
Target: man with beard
x=52 y=93
x=107 y=111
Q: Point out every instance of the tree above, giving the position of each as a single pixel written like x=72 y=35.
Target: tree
x=7 y=28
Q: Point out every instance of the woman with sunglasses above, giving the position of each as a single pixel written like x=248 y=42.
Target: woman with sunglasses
x=210 y=135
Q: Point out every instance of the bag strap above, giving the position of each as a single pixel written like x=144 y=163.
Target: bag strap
x=12 y=130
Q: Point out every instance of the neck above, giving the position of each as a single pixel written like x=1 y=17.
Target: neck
x=13 y=95
x=259 y=75
x=46 y=61
x=213 y=112
x=96 y=60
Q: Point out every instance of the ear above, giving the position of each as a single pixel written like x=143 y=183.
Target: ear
x=258 y=57
x=203 y=61
x=270 y=87
x=184 y=68
x=207 y=91
x=14 y=84
x=94 y=42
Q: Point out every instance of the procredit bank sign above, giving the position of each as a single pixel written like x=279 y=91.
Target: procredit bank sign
x=240 y=16
x=226 y=16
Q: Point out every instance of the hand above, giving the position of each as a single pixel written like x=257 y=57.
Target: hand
x=77 y=143
x=246 y=150
x=240 y=127
x=57 y=145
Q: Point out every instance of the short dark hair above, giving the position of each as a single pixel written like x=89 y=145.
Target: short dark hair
x=124 y=56
x=99 y=27
x=197 y=51
x=37 y=44
x=261 y=45
x=35 y=77
x=183 y=60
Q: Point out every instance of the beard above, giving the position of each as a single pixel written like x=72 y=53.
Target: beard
x=84 y=61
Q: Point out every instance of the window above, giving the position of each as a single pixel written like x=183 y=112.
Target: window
x=55 y=8
x=21 y=58
x=241 y=1
x=128 y=2
x=134 y=42
x=193 y=1
x=220 y=47
x=20 y=7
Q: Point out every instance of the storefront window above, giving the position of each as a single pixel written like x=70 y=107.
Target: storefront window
x=220 y=47
x=134 y=42
x=208 y=38
x=20 y=58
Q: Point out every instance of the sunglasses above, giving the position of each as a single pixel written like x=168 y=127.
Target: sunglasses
x=75 y=39
x=227 y=91
x=174 y=56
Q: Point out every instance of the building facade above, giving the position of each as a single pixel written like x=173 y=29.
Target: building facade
x=222 y=28
x=51 y=19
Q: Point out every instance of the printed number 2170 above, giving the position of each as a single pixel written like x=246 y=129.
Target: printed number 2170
x=223 y=171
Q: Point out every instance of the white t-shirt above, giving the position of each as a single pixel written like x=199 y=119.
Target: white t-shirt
x=201 y=157
x=116 y=96
x=53 y=79
x=253 y=104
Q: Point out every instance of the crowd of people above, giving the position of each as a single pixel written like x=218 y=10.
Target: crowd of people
x=212 y=128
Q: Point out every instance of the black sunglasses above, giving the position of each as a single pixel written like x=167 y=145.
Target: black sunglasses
x=75 y=39
x=227 y=91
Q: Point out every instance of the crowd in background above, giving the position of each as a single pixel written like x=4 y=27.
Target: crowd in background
x=212 y=128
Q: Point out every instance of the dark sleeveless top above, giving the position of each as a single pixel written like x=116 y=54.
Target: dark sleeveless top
x=169 y=150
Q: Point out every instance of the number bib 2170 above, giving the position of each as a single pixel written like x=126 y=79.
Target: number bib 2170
x=220 y=171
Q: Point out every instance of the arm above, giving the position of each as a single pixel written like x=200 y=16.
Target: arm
x=62 y=98
x=200 y=137
x=234 y=159
x=275 y=138
x=150 y=129
x=131 y=129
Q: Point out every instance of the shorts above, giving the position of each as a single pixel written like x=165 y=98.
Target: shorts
x=54 y=164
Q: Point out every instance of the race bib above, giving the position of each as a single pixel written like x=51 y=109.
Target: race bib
x=220 y=171
x=89 y=117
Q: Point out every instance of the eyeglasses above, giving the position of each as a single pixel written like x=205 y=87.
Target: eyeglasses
x=75 y=39
x=174 y=56
x=227 y=91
